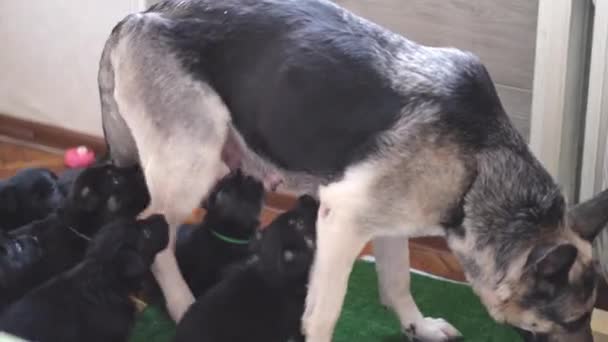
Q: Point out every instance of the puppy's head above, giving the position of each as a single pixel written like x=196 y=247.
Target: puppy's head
x=548 y=290
x=17 y=257
x=234 y=207
x=30 y=195
x=285 y=249
x=129 y=246
x=103 y=192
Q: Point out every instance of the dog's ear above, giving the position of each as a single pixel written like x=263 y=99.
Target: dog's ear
x=588 y=218
x=132 y=265
x=8 y=199
x=552 y=261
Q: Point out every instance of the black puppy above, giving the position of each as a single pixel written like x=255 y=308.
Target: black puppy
x=262 y=299
x=204 y=250
x=100 y=194
x=30 y=195
x=91 y=301
x=233 y=212
x=17 y=255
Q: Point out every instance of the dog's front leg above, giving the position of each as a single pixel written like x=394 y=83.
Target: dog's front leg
x=393 y=266
x=166 y=271
x=339 y=242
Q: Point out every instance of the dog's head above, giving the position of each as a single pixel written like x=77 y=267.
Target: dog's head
x=285 y=248
x=234 y=207
x=30 y=195
x=546 y=284
x=104 y=192
x=129 y=246
x=17 y=256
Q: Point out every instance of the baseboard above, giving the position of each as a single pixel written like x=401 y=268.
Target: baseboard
x=48 y=135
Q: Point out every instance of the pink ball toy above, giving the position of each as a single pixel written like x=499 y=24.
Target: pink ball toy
x=77 y=157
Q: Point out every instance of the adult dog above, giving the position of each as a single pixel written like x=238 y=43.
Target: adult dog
x=396 y=139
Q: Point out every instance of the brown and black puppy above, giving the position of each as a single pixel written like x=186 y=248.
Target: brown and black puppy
x=100 y=194
x=30 y=195
x=261 y=299
x=90 y=302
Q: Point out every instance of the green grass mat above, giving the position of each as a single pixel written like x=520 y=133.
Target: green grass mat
x=364 y=319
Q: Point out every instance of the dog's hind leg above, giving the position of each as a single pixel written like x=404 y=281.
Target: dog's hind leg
x=393 y=266
x=179 y=126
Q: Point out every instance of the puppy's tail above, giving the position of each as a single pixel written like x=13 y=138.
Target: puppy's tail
x=120 y=145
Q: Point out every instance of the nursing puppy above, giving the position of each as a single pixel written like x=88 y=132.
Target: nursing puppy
x=396 y=138
x=205 y=250
x=90 y=302
x=261 y=299
x=99 y=195
x=30 y=195
x=232 y=217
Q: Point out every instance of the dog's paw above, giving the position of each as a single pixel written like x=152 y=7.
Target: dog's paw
x=432 y=330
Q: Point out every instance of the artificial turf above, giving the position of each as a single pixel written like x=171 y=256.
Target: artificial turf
x=364 y=319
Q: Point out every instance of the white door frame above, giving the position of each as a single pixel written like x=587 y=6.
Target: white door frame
x=593 y=169
x=558 y=90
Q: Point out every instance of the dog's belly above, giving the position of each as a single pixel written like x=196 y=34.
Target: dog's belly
x=237 y=154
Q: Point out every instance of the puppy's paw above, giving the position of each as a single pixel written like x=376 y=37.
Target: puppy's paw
x=432 y=330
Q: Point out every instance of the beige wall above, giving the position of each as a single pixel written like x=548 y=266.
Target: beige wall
x=49 y=55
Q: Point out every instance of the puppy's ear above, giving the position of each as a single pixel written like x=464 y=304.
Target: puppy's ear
x=552 y=261
x=8 y=199
x=132 y=265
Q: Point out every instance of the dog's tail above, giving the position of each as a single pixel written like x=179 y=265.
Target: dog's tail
x=120 y=145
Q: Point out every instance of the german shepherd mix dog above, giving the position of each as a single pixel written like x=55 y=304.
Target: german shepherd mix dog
x=261 y=299
x=100 y=194
x=232 y=218
x=30 y=195
x=396 y=139
x=91 y=301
